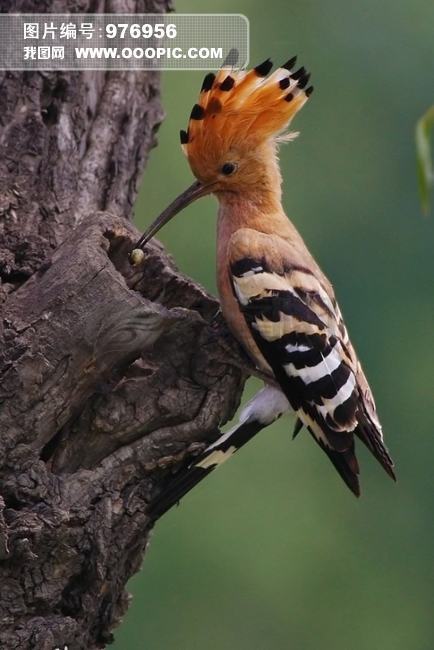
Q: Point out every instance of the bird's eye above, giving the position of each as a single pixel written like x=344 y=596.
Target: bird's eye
x=228 y=168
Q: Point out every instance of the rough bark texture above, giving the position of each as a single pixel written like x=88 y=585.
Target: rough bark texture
x=109 y=376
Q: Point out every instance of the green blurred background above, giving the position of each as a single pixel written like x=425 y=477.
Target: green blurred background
x=273 y=552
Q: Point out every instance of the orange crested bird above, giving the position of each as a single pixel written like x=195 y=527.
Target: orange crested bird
x=274 y=297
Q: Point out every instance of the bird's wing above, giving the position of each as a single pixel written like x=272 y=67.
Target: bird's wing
x=294 y=319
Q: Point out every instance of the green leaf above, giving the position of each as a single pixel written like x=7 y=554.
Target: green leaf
x=424 y=158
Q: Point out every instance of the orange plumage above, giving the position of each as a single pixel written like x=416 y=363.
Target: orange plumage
x=239 y=112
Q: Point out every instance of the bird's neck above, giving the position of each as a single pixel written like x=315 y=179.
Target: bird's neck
x=257 y=201
x=262 y=213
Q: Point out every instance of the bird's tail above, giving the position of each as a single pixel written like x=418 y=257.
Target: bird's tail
x=345 y=460
x=195 y=471
x=265 y=407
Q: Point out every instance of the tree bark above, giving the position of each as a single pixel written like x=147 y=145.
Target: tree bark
x=109 y=376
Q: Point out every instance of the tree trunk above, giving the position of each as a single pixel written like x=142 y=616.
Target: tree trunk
x=109 y=376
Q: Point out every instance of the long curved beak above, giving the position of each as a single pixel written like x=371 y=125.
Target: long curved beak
x=195 y=191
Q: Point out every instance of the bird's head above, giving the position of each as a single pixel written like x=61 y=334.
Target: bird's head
x=230 y=142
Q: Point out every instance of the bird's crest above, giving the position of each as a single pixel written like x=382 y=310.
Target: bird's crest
x=245 y=106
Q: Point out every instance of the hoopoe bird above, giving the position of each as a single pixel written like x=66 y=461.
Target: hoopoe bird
x=274 y=297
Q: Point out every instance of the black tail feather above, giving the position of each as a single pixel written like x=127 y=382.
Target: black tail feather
x=297 y=428
x=345 y=463
x=195 y=471
x=178 y=486
x=369 y=435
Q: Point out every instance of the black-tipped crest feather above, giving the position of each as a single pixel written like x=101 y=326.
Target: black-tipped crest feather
x=208 y=82
x=264 y=68
x=197 y=112
x=298 y=73
x=290 y=63
x=227 y=84
x=302 y=82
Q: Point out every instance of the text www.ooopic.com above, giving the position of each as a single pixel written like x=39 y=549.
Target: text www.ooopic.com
x=149 y=53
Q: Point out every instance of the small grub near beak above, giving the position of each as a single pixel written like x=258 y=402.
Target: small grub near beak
x=136 y=256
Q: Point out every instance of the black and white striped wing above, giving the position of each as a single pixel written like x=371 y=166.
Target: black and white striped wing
x=299 y=331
